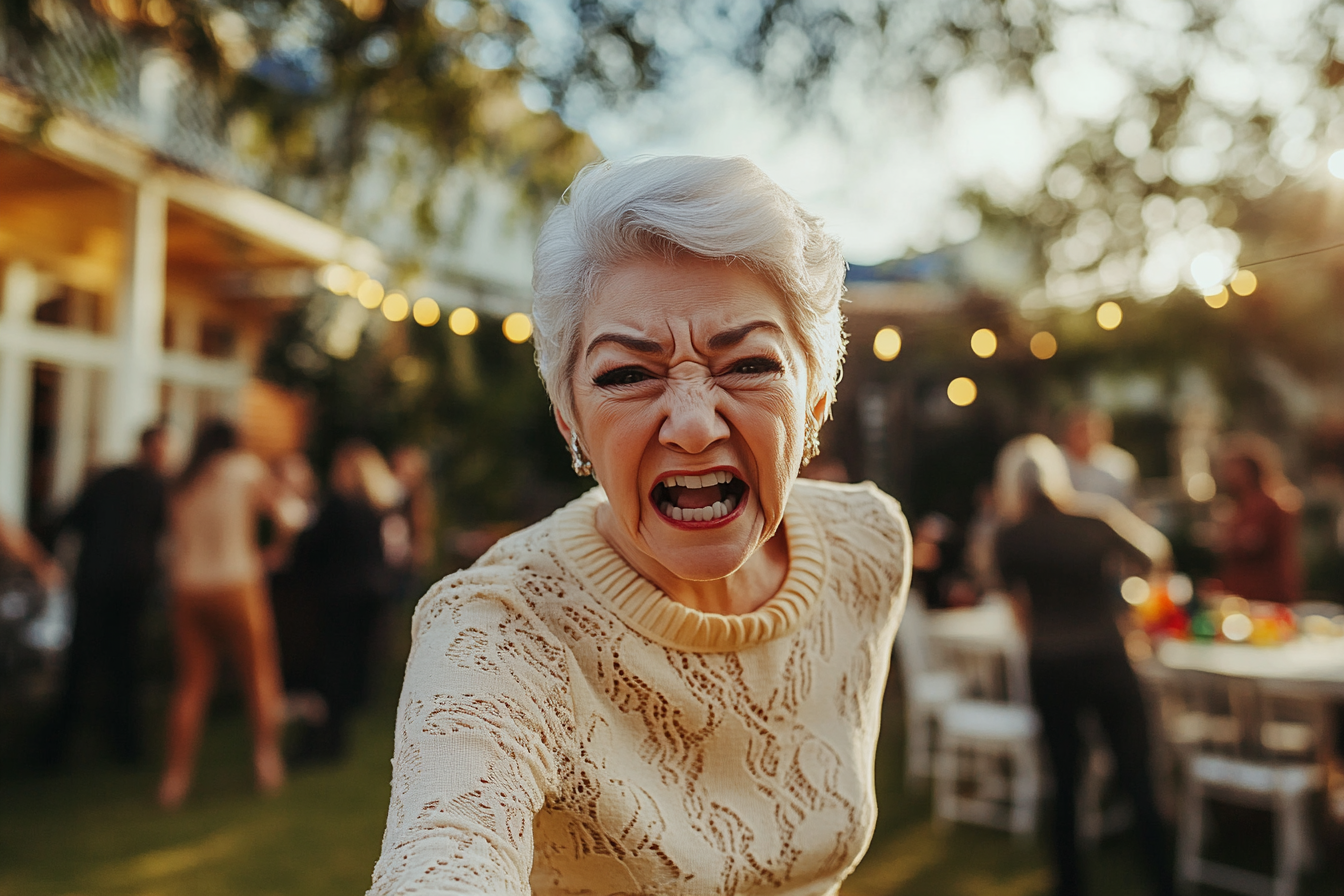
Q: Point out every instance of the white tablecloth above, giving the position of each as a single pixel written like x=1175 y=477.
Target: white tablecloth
x=1301 y=661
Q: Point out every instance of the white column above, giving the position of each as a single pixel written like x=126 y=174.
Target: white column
x=73 y=430
x=21 y=289
x=133 y=396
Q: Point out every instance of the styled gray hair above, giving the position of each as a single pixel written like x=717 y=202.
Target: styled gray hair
x=661 y=207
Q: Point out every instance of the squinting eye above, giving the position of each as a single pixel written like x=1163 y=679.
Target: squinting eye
x=622 y=376
x=757 y=365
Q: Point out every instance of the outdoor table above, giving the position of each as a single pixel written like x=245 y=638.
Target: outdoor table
x=1316 y=665
x=986 y=645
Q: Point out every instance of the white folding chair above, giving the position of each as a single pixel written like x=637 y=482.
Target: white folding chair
x=927 y=689
x=978 y=735
x=1277 y=768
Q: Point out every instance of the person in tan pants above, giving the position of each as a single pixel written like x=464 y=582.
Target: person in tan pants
x=220 y=604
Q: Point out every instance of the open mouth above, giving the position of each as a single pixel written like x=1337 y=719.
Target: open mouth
x=699 y=498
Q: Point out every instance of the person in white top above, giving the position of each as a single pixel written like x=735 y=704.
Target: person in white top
x=673 y=684
x=220 y=603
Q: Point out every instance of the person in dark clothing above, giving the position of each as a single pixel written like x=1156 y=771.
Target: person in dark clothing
x=1059 y=555
x=343 y=560
x=1257 y=545
x=119 y=517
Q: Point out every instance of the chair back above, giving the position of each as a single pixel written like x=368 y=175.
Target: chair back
x=912 y=638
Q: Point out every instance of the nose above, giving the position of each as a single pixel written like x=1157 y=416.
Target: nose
x=693 y=424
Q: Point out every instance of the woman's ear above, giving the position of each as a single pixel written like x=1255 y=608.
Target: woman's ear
x=566 y=432
x=819 y=410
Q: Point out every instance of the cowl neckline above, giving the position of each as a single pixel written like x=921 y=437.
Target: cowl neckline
x=650 y=611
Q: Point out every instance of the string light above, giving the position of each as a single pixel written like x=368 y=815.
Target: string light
x=1043 y=345
x=1244 y=282
x=961 y=391
x=396 y=307
x=336 y=278
x=887 y=343
x=370 y=294
x=426 y=311
x=984 y=343
x=1109 y=315
x=463 y=321
x=517 y=327
x=1217 y=299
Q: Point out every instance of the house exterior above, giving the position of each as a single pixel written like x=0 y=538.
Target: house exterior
x=132 y=287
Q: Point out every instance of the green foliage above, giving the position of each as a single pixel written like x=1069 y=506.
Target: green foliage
x=475 y=403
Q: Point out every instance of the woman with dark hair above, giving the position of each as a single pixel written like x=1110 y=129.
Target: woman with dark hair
x=219 y=602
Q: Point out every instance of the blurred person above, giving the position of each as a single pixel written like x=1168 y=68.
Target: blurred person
x=219 y=601
x=19 y=546
x=343 y=560
x=296 y=606
x=120 y=518
x=937 y=556
x=1257 y=540
x=1095 y=464
x=409 y=530
x=1058 y=555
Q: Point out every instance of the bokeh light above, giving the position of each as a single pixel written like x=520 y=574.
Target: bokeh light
x=1336 y=163
x=887 y=343
x=463 y=321
x=1238 y=627
x=396 y=306
x=961 y=391
x=1244 y=282
x=1210 y=270
x=426 y=311
x=517 y=327
x=1109 y=315
x=1201 y=487
x=370 y=294
x=1216 y=299
x=1135 y=590
x=1180 y=589
x=1043 y=345
x=984 y=343
x=336 y=278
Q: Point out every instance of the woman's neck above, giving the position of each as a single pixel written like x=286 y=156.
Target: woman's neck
x=742 y=591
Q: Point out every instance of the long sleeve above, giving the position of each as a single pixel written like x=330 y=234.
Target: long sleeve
x=484 y=730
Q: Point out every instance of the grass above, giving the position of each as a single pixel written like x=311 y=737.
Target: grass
x=95 y=831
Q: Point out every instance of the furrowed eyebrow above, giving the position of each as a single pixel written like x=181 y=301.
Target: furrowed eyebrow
x=634 y=343
x=729 y=338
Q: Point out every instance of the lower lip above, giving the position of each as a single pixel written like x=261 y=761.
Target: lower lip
x=700 y=525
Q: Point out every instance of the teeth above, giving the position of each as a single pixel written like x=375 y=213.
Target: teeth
x=719 y=509
x=677 y=513
x=670 y=481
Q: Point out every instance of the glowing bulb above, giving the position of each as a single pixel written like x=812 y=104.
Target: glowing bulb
x=370 y=294
x=1244 y=282
x=426 y=311
x=984 y=343
x=1044 y=346
x=1109 y=315
x=1336 y=164
x=961 y=391
x=1201 y=487
x=463 y=321
x=337 y=278
x=1135 y=590
x=396 y=307
x=1216 y=299
x=1237 y=627
x=517 y=327
x=887 y=343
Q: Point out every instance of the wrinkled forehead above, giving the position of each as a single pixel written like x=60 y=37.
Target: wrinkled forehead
x=712 y=303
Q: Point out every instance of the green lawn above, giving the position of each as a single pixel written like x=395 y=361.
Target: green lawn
x=96 y=832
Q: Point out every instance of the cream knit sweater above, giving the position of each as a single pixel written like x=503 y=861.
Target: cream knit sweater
x=566 y=728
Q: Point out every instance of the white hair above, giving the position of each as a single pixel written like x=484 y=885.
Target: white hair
x=1033 y=464
x=662 y=207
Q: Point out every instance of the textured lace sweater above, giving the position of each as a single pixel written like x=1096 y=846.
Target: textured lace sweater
x=566 y=728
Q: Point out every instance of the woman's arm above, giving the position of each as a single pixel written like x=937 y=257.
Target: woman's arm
x=484 y=721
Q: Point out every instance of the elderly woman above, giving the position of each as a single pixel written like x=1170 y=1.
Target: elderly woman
x=673 y=684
